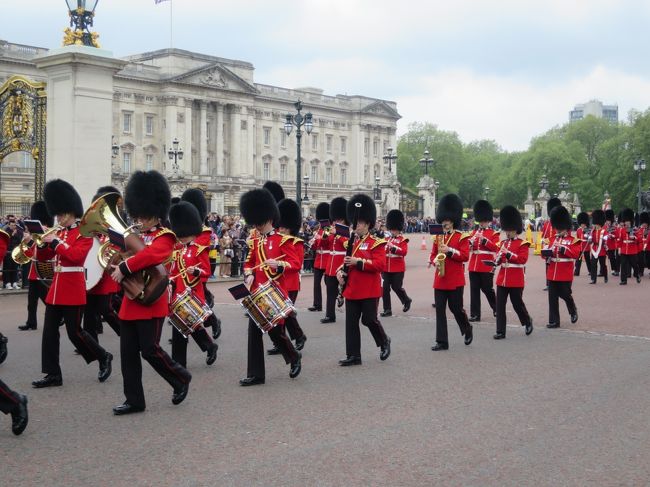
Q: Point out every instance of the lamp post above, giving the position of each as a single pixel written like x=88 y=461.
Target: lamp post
x=298 y=120
x=390 y=159
x=563 y=184
x=426 y=161
x=306 y=198
x=81 y=20
x=639 y=166
x=175 y=154
x=377 y=189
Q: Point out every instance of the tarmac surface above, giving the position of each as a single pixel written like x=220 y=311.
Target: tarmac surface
x=559 y=407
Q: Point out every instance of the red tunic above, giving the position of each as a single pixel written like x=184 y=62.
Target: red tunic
x=364 y=280
x=628 y=243
x=291 y=275
x=562 y=264
x=584 y=244
x=159 y=247
x=513 y=256
x=320 y=250
x=482 y=251
x=396 y=249
x=610 y=238
x=338 y=247
x=265 y=247
x=4 y=243
x=598 y=242
x=548 y=232
x=69 y=284
x=190 y=255
x=454 y=266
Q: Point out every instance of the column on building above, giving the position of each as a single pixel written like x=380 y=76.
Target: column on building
x=203 y=138
x=171 y=126
x=355 y=152
x=218 y=146
x=250 y=141
x=186 y=163
x=235 y=167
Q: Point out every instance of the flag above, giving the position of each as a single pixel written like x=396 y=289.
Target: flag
x=160 y=1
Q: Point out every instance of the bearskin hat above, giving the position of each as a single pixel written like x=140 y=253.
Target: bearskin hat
x=560 y=218
x=275 y=189
x=258 y=206
x=609 y=215
x=147 y=195
x=367 y=211
x=38 y=211
x=450 y=207
x=552 y=203
x=338 y=209
x=483 y=211
x=598 y=217
x=395 y=220
x=105 y=190
x=627 y=215
x=60 y=197
x=644 y=217
x=583 y=217
x=185 y=220
x=290 y=216
x=323 y=211
x=176 y=199
x=510 y=219
x=197 y=198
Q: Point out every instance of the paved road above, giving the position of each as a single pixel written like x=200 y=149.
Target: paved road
x=560 y=407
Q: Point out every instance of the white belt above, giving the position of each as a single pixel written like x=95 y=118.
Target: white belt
x=483 y=252
x=629 y=241
x=58 y=268
x=508 y=265
x=322 y=251
x=393 y=255
x=337 y=252
x=557 y=259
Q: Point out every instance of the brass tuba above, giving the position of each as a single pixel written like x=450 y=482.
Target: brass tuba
x=18 y=254
x=440 y=258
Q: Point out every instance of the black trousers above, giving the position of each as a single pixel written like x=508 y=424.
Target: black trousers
x=481 y=281
x=143 y=337
x=291 y=323
x=179 y=344
x=516 y=298
x=454 y=298
x=98 y=307
x=8 y=399
x=647 y=258
x=366 y=311
x=586 y=255
x=9 y=270
x=629 y=262
x=318 y=295
x=557 y=290
x=594 y=265
x=211 y=321
x=332 y=291
x=256 y=348
x=37 y=290
x=25 y=273
x=613 y=260
x=89 y=349
x=394 y=281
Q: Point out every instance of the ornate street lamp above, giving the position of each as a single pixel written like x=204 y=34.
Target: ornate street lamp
x=390 y=159
x=175 y=154
x=81 y=20
x=299 y=121
x=426 y=161
x=563 y=184
x=639 y=166
x=306 y=198
x=377 y=189
x=543 y=182
x=115 y=149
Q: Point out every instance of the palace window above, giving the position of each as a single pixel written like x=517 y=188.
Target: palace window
x=149 y=162
x=328 y=175
x=375 y=147
x=267 y=170
x=148 y=125
x=314 y=173
x=267 y=135
x=366 y=146
x=314 y=141
x=126 y=122
x=283 y=172
x=328 y=143
x=344 y=143
x=283 y=138
x=126 y=162
x=344 y=176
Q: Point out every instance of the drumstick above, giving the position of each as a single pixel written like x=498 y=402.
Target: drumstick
x=263 y=264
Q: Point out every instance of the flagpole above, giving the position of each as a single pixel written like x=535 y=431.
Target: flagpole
x=171 y=34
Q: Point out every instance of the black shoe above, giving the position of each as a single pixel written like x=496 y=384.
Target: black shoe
x=48 y=381
x=574 y=317
x=169 y=341
x=327 y=319
x=545 y=289
x=472 y=319
x=469 y=336
x=126 y=408
x=251 y=381
x=407 y=305
x=622 y=283
x=605 y=279
x=3 y=348
x=440 y=346
x=638 y=279
x=212 y=354
x=593 y=281
x=529 y=326
x=553 y=325
x=499 y=336
x=180 y=394
x=19 y=416
x=315 y=308
x=385 y=313
x=433 y=305
x=615 y=273
x=385 y=350
x=273 y=351
x=296 y=367
x=216 y=329
x=346 y=362
x=26 y=327
x=300 y=342
x=105 y=367
x=494 y=313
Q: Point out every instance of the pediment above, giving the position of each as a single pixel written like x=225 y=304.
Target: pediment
x=381 y=108
x=215 y=76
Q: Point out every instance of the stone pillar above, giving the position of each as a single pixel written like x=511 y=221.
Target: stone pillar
x=80 y=115
x=427 y=191
x=186 y=164
x=203 y=139
x=249 y=150
x=235 y=167
x=218 y=148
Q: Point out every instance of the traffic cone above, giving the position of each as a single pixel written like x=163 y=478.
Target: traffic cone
x=423 y=244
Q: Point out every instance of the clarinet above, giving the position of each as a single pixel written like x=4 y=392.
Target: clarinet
x=348 y=253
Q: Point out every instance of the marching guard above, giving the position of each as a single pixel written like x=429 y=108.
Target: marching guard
x=511 y=259
x=361 y=282
x=397 y=247
x=316 y=243
x=449 y=253
x=598 y=246
x=612 y=243
x=336 y=245
x=582 y=233
x=627 y=241
x=265 y=262
x=644 y=248
x=548 y=232
x=147 y=200
x=560 y=255
x=483 y=245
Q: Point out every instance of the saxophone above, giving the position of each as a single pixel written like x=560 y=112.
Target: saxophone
x=439 y=260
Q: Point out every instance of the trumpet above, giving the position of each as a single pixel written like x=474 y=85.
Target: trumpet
x=440 y=258
x=38 y=238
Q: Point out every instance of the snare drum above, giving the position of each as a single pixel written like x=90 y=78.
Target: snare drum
x=188 y=313
x=44 y=271
x=267 y=306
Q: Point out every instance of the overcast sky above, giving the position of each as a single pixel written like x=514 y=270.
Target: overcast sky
x=488 y=69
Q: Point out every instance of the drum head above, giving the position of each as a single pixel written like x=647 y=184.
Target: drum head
x=94 y=270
